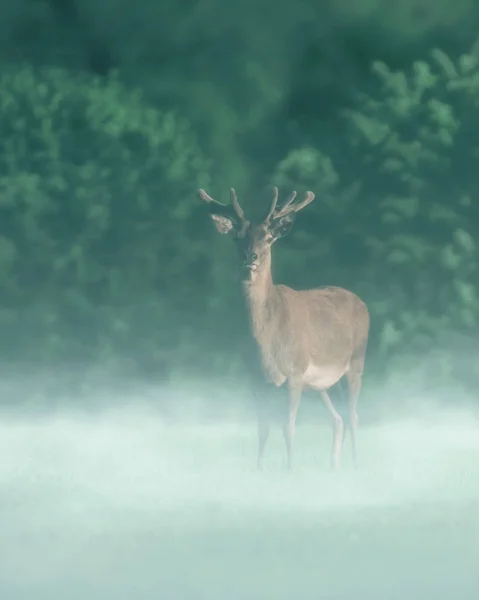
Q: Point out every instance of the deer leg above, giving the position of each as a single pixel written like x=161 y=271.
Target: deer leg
x=294 y=397
x=354 y=377
x=338 y=432
x=263 y=430
x=344 y=399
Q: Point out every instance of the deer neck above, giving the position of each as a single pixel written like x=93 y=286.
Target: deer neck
x=259 y=291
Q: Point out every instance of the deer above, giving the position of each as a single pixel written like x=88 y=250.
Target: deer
x=307 y=339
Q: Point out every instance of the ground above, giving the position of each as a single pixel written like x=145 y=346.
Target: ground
x=121 y=505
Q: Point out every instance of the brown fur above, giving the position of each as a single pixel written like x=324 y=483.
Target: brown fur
x=325 y=327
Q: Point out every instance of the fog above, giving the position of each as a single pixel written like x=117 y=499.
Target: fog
x=119 y=503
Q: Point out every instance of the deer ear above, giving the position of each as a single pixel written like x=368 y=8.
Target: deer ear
x=223 y=224
x=282 y=226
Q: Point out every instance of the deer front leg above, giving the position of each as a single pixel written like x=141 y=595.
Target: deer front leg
x=294 y=398
x=338 y=433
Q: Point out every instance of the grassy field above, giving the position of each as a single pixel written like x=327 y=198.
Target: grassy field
x=121 y=505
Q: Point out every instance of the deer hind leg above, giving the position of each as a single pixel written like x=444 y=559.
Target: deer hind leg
x=263 y=429
x=338 y=430
x=354 y=377
x=295 y=390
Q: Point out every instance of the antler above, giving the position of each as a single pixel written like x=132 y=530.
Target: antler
x=288 y=206
x=234 y=203
x=236 y=206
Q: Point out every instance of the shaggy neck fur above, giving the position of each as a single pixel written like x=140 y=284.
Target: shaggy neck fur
x=259 y=293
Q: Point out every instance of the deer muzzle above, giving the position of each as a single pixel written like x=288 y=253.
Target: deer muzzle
x=249 y=261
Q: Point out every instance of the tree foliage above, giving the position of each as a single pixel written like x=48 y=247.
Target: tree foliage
x=96 y=194
x=403 y=182
x=105 y=252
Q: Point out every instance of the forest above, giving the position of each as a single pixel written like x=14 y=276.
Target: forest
x=115 y=113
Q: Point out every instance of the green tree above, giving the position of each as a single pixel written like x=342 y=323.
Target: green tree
x=98 y=254
x=396 y=216
x=417 y=157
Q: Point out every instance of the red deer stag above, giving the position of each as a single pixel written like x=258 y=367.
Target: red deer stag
x=307 y=338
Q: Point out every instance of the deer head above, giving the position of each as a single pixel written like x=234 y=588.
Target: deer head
x=254 y=240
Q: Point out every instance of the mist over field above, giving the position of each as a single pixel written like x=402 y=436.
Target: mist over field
x=122 y=503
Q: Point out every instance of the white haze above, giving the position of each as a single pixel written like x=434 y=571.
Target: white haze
x=119 y=504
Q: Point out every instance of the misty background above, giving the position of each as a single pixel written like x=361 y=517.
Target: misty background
x=127 y=435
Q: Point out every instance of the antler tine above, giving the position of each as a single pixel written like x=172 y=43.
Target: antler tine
x=207 y=198
x=308 y=198
x=287 y=207
x=289 y=201
x=237 y=208
x=234 y=204
x=274 y=202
